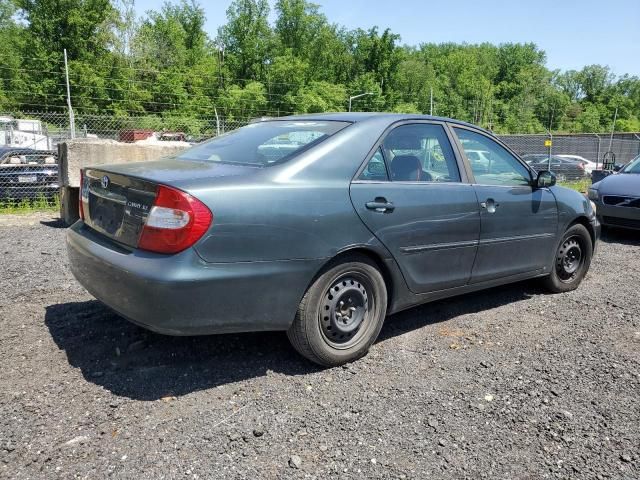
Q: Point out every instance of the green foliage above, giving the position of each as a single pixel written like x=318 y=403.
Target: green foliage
x=581 y=186
x=38 y=204
x=320 y=97
x=165 y=68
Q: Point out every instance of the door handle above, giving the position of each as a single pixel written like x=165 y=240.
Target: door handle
x=380 y=205
x=490 y=205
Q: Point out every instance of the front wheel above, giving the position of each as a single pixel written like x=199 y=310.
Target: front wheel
x=572 y=260
x=341 y=314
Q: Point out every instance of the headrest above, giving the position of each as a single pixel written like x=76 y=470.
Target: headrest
x=406 y=167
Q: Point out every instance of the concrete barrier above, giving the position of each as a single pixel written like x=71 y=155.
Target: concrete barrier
x=80 y=153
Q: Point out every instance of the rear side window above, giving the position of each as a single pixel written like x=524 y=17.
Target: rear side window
x=420 y=152
x=375 y=169
x=264 y=143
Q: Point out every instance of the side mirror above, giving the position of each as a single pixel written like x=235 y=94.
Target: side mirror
x=545 y=179
x=617 y=167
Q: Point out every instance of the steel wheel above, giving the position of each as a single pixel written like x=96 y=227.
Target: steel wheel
x=341 y=313
x=570 y=259
x=345 y=309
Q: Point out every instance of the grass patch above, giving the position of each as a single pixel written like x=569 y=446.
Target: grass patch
x=578 y=185
x=30 y=205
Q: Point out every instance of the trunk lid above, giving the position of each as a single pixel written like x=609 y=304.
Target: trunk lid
x=116 y=205
x=176 y=172
x=117 y=198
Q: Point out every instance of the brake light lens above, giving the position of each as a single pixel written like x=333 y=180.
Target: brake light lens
x=80 y=194
x=176 y=221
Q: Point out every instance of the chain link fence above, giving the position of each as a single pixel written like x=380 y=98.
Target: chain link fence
x=590 y=146
x=27 y=175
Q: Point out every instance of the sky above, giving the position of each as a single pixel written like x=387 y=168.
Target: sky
x=573 y=33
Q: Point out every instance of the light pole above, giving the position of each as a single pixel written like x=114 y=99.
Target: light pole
x=358 y=96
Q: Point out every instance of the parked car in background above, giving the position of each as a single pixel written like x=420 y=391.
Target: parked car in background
x=28 y=174
x=564 y=168
x=617 y=197
x=589 y=166
x=357 y=216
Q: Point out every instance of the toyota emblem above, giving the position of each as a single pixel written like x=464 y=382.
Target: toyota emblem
x=104 y=182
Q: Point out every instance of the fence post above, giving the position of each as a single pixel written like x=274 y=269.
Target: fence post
x=638 y=138
x=598 y=152
x=215 y=110
x=72 y=121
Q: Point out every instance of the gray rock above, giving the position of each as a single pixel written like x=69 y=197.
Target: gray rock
x=295 y=461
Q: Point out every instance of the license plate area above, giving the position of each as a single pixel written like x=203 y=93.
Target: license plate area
x=117 y=205
x=27 y=179
x=106 y=214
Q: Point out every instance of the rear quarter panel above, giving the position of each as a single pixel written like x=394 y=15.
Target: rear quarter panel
x=280 y=222
x=298 y=210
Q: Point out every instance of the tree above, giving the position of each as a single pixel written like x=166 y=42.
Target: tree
x=12 y=41
x=320 y=97
x=297 y=26
x=247 y=37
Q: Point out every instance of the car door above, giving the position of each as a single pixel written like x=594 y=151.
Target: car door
x=518 y=222
x=414 y=198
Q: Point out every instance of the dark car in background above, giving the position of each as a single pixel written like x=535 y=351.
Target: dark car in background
x=617 y=197
x=564 y=168
x=27 y=174
x=322 y=225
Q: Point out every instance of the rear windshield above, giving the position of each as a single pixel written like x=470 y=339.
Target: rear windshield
x=264 y=143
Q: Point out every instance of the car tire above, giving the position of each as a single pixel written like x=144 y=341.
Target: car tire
x=571 y=261
x=341 y=313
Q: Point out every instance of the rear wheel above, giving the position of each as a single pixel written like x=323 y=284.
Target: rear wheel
x=341 y=313
x=572 y=260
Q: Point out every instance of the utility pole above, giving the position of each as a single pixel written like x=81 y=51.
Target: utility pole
x=550 y=138
x=358 y=96
x=72 y=121
x=613 y=128
x=431 y=101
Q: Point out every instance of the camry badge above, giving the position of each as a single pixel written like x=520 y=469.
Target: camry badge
x=104 y=182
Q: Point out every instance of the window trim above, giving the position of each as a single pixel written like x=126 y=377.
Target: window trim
x=472 y=177
x=464 y=177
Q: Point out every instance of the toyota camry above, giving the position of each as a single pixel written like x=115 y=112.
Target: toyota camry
x=321 y=226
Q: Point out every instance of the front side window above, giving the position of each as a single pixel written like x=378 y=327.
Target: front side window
x=490 y=162
x=264 y=143
x=420 y=152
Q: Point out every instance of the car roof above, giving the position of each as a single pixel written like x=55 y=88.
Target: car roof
x=358 y=117
x=558 y=158
x=16 y=149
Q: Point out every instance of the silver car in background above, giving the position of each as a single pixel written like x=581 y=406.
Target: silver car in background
x=617 y=197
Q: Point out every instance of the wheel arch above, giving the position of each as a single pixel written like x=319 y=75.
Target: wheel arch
x=585 y=222
x=390 y=277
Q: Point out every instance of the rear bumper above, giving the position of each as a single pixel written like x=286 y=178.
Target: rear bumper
x=183 y=295
x=624 y=217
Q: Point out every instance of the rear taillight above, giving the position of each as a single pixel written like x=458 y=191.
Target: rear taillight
x=175 y=222
x=80 y=193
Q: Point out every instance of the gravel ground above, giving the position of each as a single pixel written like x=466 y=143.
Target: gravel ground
x=509 y=383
